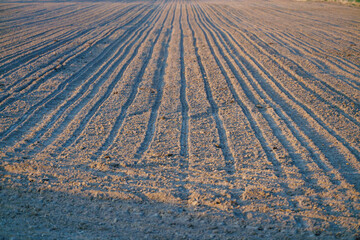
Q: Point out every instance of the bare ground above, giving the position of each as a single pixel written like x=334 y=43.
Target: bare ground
x=179 y=120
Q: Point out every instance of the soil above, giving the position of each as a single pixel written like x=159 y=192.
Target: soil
x=179 y=120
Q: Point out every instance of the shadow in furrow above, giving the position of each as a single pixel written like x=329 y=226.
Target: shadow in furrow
x=257 y=130
x=184 y=151
x=52 y=100
x=50 y=47
x=229 y=159
x=158 y=84
x=299 y=71
x=348 y=173
x=138 y=79
x=303 y=170
x=280 y=86
x=97 y=105
x=102 y=76
x=48 y=33
x=70 y=52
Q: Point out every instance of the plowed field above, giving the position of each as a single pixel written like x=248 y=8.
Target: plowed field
x=179 y=119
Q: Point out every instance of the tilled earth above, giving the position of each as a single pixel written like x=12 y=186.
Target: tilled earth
x=179 y=120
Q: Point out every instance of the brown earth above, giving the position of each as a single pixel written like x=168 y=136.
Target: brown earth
x=179 y=120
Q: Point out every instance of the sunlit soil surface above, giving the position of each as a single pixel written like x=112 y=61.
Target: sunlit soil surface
x=172 y=119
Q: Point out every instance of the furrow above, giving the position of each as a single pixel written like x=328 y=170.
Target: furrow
x=183 y=99
x=346 y=66
x=29 y=34
x=63 y=15
x=289 y=137
x=312 y=174
x=320 y=59
x=312 y=23
x=69 y=36
x=311 y=84
x=165 y=146
x=306 y=40
x=68 y=111
x=289 y=94
x=96 y=106
x=158 y=84
x=29 y=15
x=245 y=112
x=244 y=104
x=276 y=160
x=55 y=43
x=13 y=51
x=91 y=69
x=228 y=156
x=52 y=35
x=305 y=132
x=60 y=60
x=134 y=90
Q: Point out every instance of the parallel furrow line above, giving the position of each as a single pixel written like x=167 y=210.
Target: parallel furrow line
x=304 y=48
x=30 y=14
x=309 y=23
x=284 y=91
x=288 y=143
x=77 y=78
x=17 y=63
x=350 y=66
x=75 y=136
x=88 y=91
x=311 y=49
x=51 y=33
x=63 y=15
x=228 y=156
x=315 y=87
x=158 y=84
x=51 y=46
x=299 y=71
x=65 y=57
x=250 y=95
x=134 y=89
x=303 y=134
x=183 y=99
